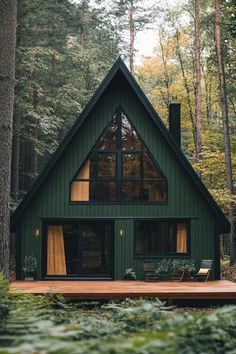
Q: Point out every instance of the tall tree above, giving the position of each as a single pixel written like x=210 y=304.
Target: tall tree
x=131 y=16
x=7 y=78
x=198 y=90
x=225 y=120
x=63 y=51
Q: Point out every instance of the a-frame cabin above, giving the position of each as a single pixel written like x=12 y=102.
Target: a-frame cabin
x=118 y=190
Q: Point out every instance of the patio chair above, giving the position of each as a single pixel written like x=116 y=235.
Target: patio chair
x=205 y=270
x=149 y=271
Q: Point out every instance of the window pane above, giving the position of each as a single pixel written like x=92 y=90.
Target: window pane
x=109 y=137
x=95 y=250
x=177 y=238
x=105 y=190
x=150 y=171
x=131 y=190
x=129 y=137
x=71 y=248
x=132 y=165
x=154 y=191
x=80 y=191
x=106 y=165
x=149 y=237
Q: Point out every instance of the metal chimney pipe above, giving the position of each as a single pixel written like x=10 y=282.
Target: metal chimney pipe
x=174 y=121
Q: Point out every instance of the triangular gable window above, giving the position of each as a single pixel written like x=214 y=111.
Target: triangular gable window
x=119 y=168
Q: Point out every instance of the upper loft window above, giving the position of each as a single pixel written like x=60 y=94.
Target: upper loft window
x=119 y=168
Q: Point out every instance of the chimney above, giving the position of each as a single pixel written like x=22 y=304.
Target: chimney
x=174 y=121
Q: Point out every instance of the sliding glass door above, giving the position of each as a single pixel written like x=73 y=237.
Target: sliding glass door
x=80 y=249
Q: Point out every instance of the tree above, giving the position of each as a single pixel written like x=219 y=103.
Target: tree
x=130 y=17
x=198 y=90
x=7 y=77
x=225 y=120
x=63 y=51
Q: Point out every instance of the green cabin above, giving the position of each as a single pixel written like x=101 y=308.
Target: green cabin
x=117 y=191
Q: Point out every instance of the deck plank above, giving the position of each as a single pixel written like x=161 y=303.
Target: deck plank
x=105 y=290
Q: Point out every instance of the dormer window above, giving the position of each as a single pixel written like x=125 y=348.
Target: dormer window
x=119 y=168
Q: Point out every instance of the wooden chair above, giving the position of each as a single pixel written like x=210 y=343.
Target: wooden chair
x=149 y=271
x=205 y=270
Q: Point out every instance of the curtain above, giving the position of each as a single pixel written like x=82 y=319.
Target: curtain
x=80 y=189
x=181 y=242
x=56 y=261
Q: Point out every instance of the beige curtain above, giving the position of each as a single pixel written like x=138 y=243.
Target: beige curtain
x=56 y=261
x=181 y=246
x=79 y=189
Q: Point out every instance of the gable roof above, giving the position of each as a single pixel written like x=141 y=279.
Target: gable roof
x=119 y=66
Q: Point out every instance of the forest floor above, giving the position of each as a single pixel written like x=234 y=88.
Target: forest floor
x=50 y=324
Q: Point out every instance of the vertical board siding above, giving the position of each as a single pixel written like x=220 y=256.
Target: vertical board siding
x=184 y=200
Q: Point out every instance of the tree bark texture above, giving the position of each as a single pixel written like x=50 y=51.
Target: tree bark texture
x=225 y=120
x=167 y=79
x=7 y=75
x=15 y=159
x=198 y=91
x=33 y=157
x=132 y=35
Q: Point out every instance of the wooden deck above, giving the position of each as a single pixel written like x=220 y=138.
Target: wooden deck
x=105 y=290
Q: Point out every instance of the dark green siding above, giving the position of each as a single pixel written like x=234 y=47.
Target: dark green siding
x=184 y=200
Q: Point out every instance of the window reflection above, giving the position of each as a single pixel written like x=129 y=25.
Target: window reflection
x=132 y=165
x=164 y=237
x=130 y=140
x=106 y=165
x=105 y=190
x=127 y=173
x=109 y=137
x=150 y=171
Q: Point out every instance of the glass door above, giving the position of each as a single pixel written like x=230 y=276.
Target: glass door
x=80 y=249
x=95 y=248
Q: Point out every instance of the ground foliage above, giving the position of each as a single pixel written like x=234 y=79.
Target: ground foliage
x=50 y=324
x=228 y=272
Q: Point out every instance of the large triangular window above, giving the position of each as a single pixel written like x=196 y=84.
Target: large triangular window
x=119 y=168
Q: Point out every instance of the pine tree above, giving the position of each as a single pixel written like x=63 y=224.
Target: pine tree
x=7 y=76
x=225 y=119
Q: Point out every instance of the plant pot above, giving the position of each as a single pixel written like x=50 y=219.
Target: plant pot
x=30 y=276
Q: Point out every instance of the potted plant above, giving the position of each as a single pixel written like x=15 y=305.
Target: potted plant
x=129 y=274
x=164 y=269
x=30 y=267
x=182 y=268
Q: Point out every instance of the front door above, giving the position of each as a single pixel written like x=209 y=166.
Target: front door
x=81 y=249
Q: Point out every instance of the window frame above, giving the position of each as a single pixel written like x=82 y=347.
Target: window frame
x=119 y=178
x=165 y=252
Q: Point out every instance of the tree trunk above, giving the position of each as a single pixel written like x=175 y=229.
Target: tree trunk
x=132 y=35
x=15 y=159
x=198 y=97
x=225 y=120
x=187 y=88
x=33 y=157
x=164 y=61
x=7 y=77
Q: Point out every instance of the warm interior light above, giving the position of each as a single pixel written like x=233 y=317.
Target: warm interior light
x=37 y=232
x=121 y=232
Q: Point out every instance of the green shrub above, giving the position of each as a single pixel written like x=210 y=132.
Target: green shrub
x=182 y=265
x=4 y=303
x=127 y=327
